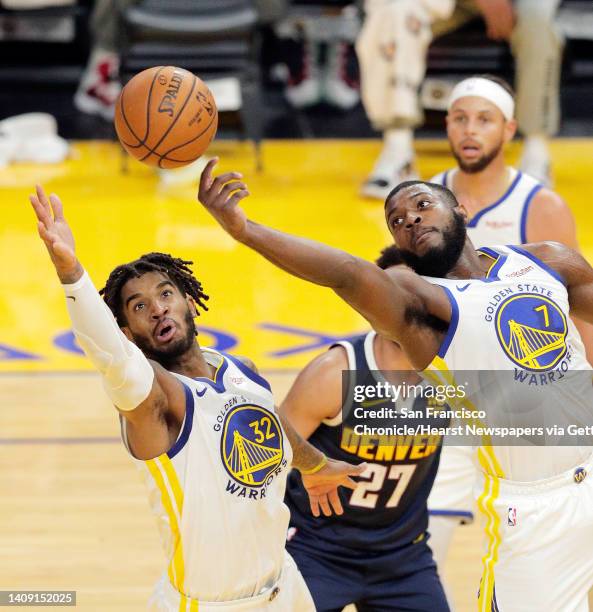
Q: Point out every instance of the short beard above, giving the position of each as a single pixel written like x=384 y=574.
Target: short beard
x=168 y=357
x=480 y=164
x=438 y=261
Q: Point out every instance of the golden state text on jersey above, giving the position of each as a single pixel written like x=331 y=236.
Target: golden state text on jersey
x=515 y=318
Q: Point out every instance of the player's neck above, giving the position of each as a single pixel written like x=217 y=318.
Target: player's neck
x=388 y=355
x=192 y=364
x=470 y=264
x=481 y=189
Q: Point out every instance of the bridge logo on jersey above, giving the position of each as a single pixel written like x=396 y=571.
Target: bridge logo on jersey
x=251 y=444
x=532 y=331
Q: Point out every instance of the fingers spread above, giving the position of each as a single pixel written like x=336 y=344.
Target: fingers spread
x=336 y=504
x=314 y=505
x=324 y=504
x=206 y=176
x=57 y=208
x=42 y=213
x=358 y=469
x=348 y=483
x=230 y=187
x=221 y=180
x=42 y=197
x=237 y=197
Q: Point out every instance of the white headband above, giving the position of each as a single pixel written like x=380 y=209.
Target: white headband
x=487 y=89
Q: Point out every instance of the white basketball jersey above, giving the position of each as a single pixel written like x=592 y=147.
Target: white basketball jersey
x=503 y=221
x=516 y=319
x=218 y=494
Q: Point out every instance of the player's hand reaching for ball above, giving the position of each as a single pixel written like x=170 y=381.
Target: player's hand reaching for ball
x=57 y=235
x=221 y=196
x=322 y=487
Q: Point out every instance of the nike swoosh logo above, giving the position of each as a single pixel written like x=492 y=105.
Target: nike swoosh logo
x=203 y=391
x=462 y=288
x=71 y=297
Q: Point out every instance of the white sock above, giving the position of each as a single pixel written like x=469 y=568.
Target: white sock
x=397 y=151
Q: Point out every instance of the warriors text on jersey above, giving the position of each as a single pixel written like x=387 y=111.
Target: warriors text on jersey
x=218 y=492
x=388 y=507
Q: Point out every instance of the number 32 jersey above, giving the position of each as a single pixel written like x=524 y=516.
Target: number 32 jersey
x=388 y=507
x=218 y=493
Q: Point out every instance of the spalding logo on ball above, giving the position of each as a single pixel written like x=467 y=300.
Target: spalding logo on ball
x=166 y=117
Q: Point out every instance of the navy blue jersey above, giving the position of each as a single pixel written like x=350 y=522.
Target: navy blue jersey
x=388 y=508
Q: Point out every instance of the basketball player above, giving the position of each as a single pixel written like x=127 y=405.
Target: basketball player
x=381 y=559
x=505 y=206
x=202 y=427
x=392 y=49
x=537 y=504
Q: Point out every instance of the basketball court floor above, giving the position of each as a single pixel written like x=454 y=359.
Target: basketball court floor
x=74 y=514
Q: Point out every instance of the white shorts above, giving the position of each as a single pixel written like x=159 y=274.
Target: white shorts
x=452 y=494
x=289 y=594
x=539 y=542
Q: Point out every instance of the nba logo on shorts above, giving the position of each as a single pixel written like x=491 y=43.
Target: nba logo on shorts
x=512 y=517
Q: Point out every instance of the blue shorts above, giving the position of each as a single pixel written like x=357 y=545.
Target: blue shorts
x=401 y=580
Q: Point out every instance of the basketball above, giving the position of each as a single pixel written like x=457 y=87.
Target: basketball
x=165 y=117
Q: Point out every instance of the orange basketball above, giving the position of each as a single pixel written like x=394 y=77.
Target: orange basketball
x=166 y=117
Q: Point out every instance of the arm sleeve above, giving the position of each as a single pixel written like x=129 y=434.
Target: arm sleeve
x=127 y=374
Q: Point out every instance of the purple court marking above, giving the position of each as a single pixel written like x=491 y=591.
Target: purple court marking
x=65 y=441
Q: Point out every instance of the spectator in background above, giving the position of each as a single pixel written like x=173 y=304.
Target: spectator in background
x=99 y=86
x=392 y=48
x=318 y=37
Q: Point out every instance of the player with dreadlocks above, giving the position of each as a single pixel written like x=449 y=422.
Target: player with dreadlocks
x=201 y=425
x=179 y=272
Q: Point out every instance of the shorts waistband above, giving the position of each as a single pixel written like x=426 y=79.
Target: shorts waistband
x=247 y=603
x=572 y=476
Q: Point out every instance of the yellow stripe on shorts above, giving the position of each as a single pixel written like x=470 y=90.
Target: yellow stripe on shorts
x=486 y=505
x=173 y=506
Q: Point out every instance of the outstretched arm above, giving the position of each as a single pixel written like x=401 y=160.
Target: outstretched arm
x=382 y=299
x=141 y=390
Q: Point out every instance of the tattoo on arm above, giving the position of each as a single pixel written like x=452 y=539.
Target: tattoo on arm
x=304 y=455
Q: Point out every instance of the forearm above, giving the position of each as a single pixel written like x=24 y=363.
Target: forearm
x=127 y=374
x=305 y=456
x=301 y=257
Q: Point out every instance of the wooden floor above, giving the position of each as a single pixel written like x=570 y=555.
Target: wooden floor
x=74 y=514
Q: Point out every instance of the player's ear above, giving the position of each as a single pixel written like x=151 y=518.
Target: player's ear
x=192 y=306
x=127 y=333
x=510 y=129
x=462 y=210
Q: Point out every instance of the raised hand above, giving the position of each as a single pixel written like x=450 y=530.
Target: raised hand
x=56 y=235
x=220 y=196
x=322 y=487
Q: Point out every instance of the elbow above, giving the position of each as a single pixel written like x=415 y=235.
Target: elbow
x=349 y=272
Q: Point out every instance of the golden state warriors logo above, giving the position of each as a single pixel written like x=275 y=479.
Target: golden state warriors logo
x=532 y=331
x=251 y=444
